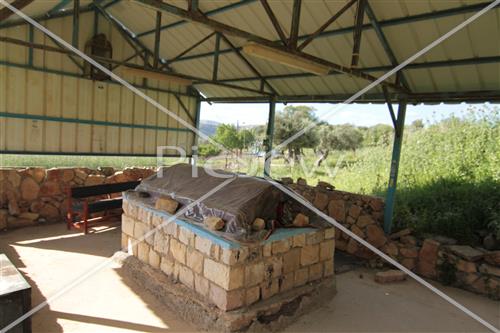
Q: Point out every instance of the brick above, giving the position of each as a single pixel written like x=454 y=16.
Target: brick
x=166 y=204
x=326 y=249
x=154 y=259
x=215 y=252
x=336 y=209
x=389 y=276
x=141 y=230
x=178 y=251
x=375 y=235
x=299 y=240
x=490 y=270
x=309 y=255
x=195 y=260
x=201 y=285
x=124 y=242
x=254 y=274
x=252 y=295
x=214 y=223
x=320 y=200
x=186 y=276
x=167 y=266
x=352 y=246
x=157 y=220
x=281 y=246
x=427 y=258
x=287 y=282
x=161 y=243
x=229 y=256
x=203 y=245
x=315 y=272
x=143 y=252
x=466 y=266
x=128 y=225
x=328 y=268
x=291 y=260
x=274 y=267
x=364 y=220
x=314 y=237
x=267 y=250
x=226 y=277
x=329 y=233
x=409 y=252
x=409 y=263
x=301 y=277
x=186 y=236
x=269 y=289
x=226 y=300
x=170 y=228
x=354 y=211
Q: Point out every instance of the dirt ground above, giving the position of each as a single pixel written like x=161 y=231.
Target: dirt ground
x=51 y=258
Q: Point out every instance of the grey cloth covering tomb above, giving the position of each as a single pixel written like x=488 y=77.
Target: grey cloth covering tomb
x=238 y=203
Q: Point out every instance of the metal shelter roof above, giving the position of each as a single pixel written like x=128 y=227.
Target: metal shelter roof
x=204 y=40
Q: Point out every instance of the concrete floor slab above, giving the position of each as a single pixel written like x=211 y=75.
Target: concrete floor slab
x=51 y=257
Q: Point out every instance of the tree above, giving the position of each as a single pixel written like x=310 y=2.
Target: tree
x=340 y=137
x=380 y=134
x=227 y=135
x=289 y=122
x=246 y=139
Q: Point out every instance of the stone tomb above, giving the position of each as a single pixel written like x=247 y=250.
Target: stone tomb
x=225 y=285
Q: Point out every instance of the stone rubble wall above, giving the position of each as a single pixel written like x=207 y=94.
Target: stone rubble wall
x=229 y=277
x=29 y=196
x=438 y=258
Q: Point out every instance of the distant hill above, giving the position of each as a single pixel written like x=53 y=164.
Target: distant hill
x=209 y=127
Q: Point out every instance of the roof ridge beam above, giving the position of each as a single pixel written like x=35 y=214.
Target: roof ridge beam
x=208 y=13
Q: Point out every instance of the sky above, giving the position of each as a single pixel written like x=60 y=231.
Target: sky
x=356 y=114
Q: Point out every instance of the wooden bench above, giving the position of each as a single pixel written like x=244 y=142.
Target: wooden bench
x=80 y=208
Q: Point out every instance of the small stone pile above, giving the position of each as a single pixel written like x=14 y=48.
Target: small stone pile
x=32 y=195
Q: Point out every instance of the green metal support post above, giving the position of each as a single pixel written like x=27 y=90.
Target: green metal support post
x=269 y=138
x=194 y=151
x=393 y=176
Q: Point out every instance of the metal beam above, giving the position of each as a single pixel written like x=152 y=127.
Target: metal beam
x=192 y=47
x=216 y=57
x=196 y=80
x=72 y=74
x=62 y=4
x=325 y=25
x=252 y=67
x=193 y=5
x=185 y=109
x=418 y=65
x=208 y=13
x=393 y=176
x=5 y=12
x=358 y=24
x=224 y=28
x=429 y=97
x=156 y=55
x=385 y=43
x=388 y=101
x=294 y=29
x=274 y=21
x=76 y=22
x=269 y=138
x=387 y=23
x=121 y=31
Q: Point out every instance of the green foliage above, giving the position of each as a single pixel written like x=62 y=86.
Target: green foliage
x=292 y=120
x=227 y=135
x=208 y=150
x=379 y=135
x=246 y=139
x=447 y=272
